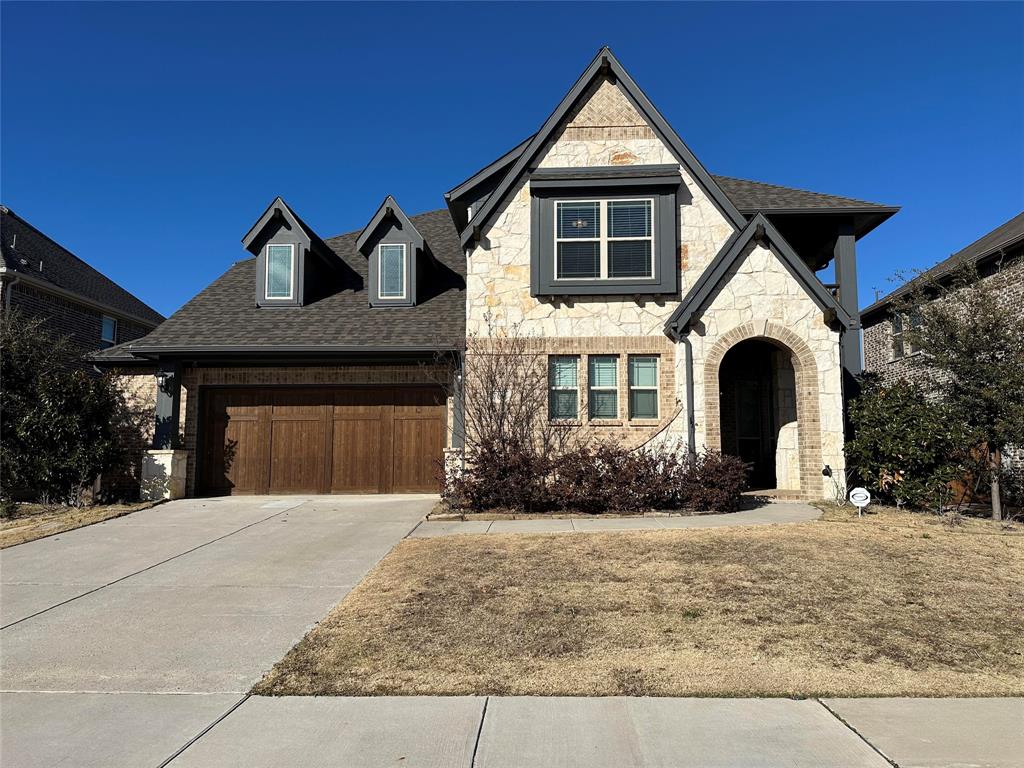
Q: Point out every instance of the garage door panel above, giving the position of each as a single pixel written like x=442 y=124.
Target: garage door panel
x=419 y=444
x=296 y=455
x=355 y=456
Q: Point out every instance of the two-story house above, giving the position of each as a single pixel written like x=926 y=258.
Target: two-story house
x=673 y=305
x=42 y=279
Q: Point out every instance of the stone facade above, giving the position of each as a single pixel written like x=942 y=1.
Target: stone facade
x=758 y=299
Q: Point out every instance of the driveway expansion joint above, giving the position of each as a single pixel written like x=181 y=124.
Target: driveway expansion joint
x=858 y=734
x=205 y=731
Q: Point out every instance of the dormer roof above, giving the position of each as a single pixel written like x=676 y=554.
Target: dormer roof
x=279 y=209
x=390 y=210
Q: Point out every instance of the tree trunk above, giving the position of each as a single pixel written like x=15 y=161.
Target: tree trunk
x=993 y=469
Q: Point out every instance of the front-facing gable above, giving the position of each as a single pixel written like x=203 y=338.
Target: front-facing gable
x=604 y=90
x=398 y=258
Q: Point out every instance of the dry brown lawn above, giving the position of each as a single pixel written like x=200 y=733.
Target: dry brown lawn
x=892 y=604
x=34 y=521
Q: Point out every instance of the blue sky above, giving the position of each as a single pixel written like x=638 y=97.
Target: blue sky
x=147 y=138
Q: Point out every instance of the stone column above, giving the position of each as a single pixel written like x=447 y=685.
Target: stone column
x=165 y=466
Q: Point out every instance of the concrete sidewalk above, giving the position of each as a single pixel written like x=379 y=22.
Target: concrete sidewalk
x=518 y=732
x=769 y=514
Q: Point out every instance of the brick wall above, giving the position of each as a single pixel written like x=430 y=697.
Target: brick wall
x=134 y=433
x=627 y=431
x=67 y=317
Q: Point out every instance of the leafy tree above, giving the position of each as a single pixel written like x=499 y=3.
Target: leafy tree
x=905 y=446
x=57 y=422
x=972 y=345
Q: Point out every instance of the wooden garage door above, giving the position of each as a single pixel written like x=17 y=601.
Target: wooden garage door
x=321 y=440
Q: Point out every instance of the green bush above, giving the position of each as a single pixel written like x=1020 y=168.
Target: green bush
x=906 y=448
x=57 y=421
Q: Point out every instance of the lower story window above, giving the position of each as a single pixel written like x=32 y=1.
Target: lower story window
x=643 y=387
x=563 y=387
x=604 y=386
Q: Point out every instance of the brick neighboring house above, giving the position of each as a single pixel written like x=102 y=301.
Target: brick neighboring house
x=673 y=305
x=42 y=279
x=999 y=259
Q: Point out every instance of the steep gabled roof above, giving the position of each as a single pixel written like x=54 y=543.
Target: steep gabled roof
x=278 y=207
x=758 y=229
x=989 y=246
x=390 y=209
x=753 y=196
x=604 y=63
x=38 y=259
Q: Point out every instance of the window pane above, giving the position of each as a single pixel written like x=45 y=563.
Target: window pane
x=629 y=258
x=392 y=271
x=643 y=372
x=643 y=404
x=629 y=218
x=604 y=404
x=563 y=404
x=562 y=371
x=603 y=371
x=897 y=347
x=109 y=332
x=579 y=259
x=279 y=271
x=576 y=220
x=897 y=324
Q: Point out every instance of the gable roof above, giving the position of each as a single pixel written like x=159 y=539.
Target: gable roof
x=36 y=258
x=760 y=229
x=990 y=246
x=278 y=207
x=753 y=196
x=223 y=318
x=389 y=209
x=604 y=63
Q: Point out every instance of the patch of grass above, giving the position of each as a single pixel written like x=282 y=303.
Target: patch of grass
x=35 y=521
x=844 y=607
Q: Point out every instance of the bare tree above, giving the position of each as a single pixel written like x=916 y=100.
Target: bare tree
x=972 y=345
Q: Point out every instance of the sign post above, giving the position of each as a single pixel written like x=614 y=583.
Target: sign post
x=860 y=498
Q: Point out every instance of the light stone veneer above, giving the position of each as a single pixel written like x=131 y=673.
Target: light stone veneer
x=758 y=290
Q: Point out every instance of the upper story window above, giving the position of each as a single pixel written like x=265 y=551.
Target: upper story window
x=108 y=332
x=563 y=387
x=604 y=239
x=391 y=272
x=280 y=271
x=902 y=346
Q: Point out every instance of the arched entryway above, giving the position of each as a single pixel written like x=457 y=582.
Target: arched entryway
x=761 y=403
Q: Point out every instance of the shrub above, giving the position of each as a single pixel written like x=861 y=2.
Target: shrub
x=603 y=477
x=906 y=448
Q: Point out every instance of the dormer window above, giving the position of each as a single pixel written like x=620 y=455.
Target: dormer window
x=604 y=239
x=280 y=270
x=391 y=271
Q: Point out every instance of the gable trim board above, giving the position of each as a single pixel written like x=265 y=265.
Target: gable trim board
x=389 y=208
x=604 y=63
x=759 y=229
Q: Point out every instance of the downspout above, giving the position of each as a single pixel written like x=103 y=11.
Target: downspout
x=691 y=424
x=8 y=287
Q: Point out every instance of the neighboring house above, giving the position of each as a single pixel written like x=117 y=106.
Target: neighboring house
x=999 y=258
x=43 y=279
x=673 y=305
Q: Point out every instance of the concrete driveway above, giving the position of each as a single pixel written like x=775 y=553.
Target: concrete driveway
x=123 y=640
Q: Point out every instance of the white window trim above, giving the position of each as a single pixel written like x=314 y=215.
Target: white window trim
x=291 y=272
x=380 y=272
x=113 y=340
x=603 y=239
x=656 y=388
x=906 y=323
x=556 y=388
x=613 y=388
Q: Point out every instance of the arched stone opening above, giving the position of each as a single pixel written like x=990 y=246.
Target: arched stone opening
x=761 y=403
